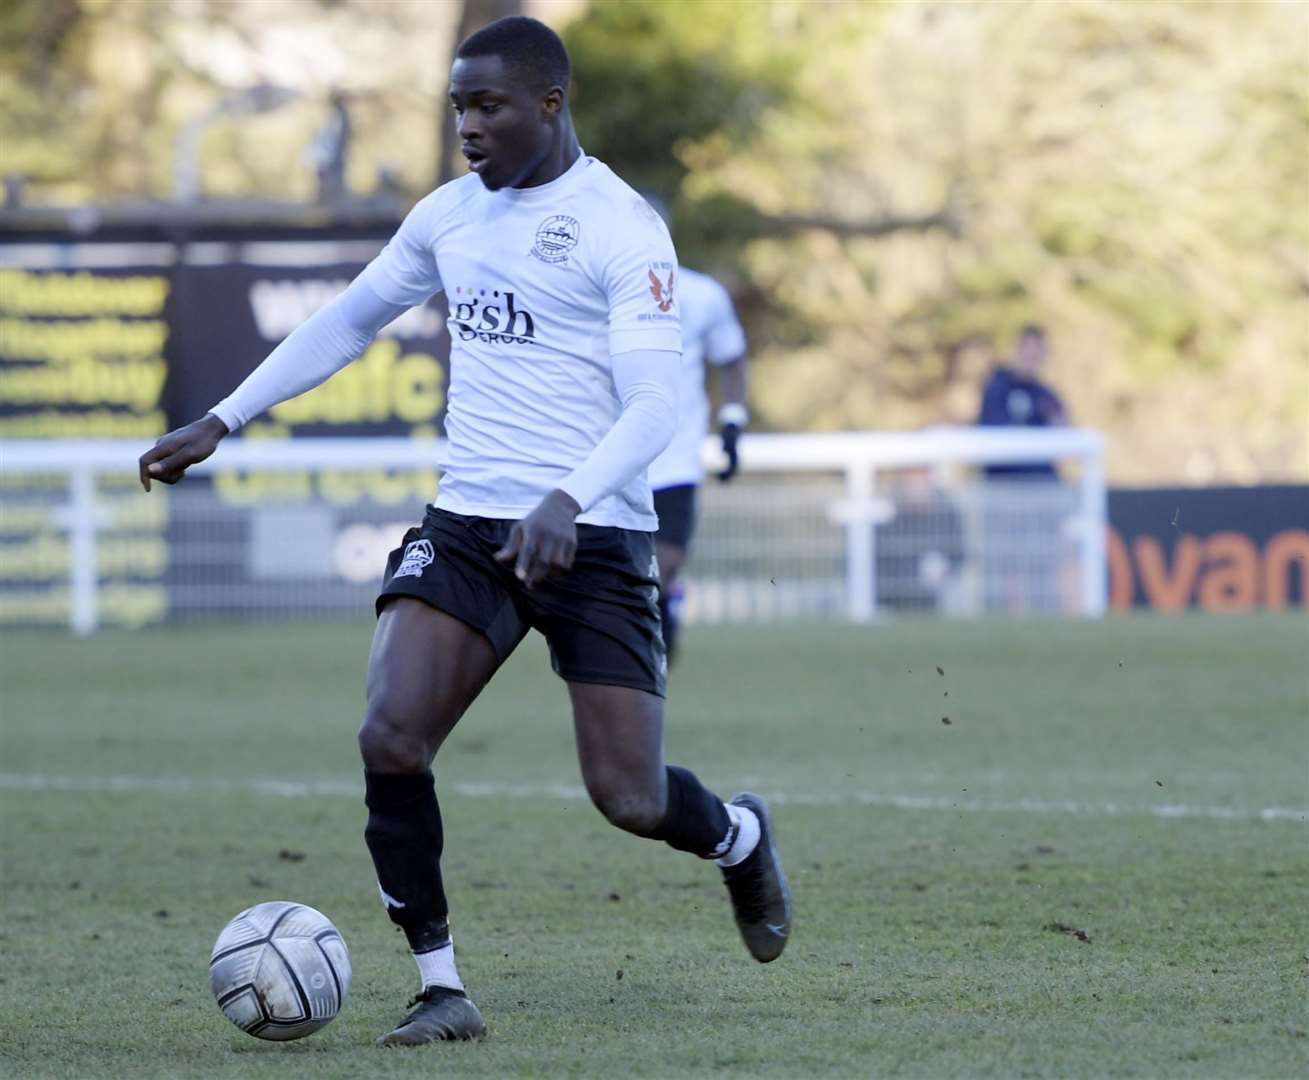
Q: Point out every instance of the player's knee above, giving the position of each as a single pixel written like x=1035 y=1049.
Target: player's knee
x=632 y=811
x=389 y=740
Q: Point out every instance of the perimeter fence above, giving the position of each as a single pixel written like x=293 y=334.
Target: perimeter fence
x=850 y=526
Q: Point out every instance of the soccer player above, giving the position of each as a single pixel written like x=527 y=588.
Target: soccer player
x=710 y=332
x=563 y=387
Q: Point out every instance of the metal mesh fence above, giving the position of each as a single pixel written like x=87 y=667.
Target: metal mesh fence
x=770 y=546
x=776 y=548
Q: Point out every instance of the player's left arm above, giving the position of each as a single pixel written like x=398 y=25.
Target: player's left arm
x=545 y=542
x=326 y=342
x=403 y=275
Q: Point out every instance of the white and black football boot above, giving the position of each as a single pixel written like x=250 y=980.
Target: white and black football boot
x=761 y=898
x=442 y=1015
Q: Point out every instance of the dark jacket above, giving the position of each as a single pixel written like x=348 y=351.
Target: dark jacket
x=1013 y=400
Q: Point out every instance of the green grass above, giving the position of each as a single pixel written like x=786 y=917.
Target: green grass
x=929 y=861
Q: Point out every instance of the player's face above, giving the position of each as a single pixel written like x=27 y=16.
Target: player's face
x=506 y=130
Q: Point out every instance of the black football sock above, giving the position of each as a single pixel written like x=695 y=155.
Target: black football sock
x=405 y=839
x=669 y=623
x=696 y=820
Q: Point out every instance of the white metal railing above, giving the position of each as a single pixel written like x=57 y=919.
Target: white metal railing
x=860 y=458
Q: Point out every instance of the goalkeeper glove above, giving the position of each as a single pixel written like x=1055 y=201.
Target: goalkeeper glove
x=732 y=418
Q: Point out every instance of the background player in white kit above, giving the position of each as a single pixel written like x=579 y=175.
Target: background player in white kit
x=563 y=387
x=711 y=334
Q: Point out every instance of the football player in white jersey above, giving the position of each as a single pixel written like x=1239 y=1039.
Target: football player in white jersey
x=564 y=369
x=711 y=334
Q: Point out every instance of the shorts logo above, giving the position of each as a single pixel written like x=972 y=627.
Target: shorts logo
x=418 y=556
x=556 y=237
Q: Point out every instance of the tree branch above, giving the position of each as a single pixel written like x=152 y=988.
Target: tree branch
x=946 y=218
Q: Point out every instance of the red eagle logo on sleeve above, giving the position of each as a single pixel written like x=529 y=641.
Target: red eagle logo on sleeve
x=663 y=294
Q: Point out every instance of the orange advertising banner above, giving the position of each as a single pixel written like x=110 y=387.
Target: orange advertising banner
x=1212 y=549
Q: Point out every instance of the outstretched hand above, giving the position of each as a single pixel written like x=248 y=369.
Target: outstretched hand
x=174 y=453
x=544 y=543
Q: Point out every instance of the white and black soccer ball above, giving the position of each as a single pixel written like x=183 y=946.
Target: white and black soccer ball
x=280 y=970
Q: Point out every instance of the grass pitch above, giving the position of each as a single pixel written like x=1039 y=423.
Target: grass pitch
x=1097 y=867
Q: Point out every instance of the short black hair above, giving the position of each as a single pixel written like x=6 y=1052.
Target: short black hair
x=529 y=48
x=1032 y=329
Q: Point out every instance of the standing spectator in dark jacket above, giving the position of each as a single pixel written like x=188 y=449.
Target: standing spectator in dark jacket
x=1015 y=397
x=1025 y=506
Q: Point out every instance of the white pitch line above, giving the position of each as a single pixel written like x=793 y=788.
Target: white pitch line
x=182 y=785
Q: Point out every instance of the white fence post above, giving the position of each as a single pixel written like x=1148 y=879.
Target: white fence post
x=860 y=603
x=1095 y=560
x=84 y=574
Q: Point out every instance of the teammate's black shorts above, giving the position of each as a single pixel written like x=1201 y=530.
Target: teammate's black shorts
x=676 y=509
x=601 y=618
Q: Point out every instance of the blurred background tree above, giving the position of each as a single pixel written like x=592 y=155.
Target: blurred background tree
x=1131 y=175
x=890 y=188
x=94 y=93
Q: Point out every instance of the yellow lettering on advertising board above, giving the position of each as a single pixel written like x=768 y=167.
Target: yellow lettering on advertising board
x=122 y=604
x=240 y=488
x=383 y=486
x=25 y=482
x=337 y=487
x=136 y=384
x=419 y=388
x=135 y=511
x=48 y=557
x=82 y=293
x=25 y=339
x=20 y=520
x=92 y=424
x=381 y=385
x=126 y=512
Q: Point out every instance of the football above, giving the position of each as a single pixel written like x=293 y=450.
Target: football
x=280 y=970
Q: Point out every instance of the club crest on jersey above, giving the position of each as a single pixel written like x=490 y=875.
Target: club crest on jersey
x=661 y=290
x=418 y=556
x=555 y=238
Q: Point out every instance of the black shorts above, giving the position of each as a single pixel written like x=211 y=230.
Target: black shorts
x=601 y=618
x=676 y=509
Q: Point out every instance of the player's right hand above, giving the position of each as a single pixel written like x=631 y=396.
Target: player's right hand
x=543 y=544
x=174 y=453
